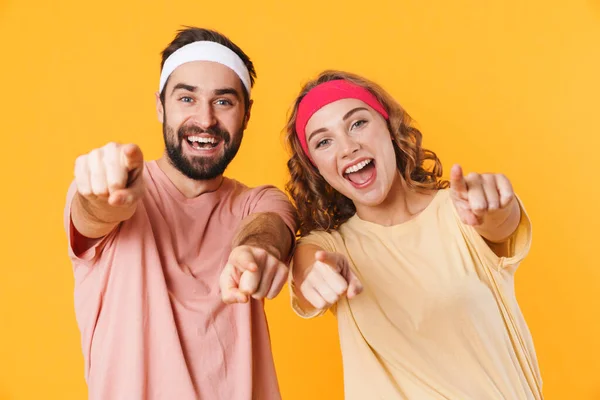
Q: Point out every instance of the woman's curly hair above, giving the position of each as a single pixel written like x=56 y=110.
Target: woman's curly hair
x=321 y=207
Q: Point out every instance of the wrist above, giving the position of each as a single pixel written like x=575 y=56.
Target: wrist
x=273 y=250
x=98 y=211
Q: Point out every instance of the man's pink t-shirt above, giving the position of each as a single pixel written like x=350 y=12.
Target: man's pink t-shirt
x=147 y=300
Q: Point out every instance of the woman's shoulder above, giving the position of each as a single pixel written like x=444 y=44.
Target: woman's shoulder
x=330 y=240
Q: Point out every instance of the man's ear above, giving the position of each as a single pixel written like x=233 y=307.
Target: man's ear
x=160 y=109
x=247 y=117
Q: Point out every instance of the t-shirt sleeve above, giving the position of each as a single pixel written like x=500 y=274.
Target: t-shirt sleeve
x=271 y=199
x=325 y=242
x=75 y=240
x=518 y=244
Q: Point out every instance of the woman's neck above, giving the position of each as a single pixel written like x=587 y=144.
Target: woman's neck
x=401 y=205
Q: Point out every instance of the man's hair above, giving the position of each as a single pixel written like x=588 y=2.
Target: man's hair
x=192 y=34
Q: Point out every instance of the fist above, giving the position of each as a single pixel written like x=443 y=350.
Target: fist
x=328 y=280
x=111 y=174
x=251 y=272
x=478 y=195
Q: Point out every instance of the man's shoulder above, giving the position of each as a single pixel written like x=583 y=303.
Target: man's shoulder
x=238 y=188
x=261 y=198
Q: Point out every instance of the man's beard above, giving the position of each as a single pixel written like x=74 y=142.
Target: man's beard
x=200 y=168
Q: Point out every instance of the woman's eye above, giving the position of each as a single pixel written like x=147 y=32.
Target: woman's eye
x=358 y=123
x=323 y=143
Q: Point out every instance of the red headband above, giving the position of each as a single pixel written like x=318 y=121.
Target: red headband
x=327 y=93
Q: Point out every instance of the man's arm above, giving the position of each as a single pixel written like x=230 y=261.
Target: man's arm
x=257 y=266
x=268 y=231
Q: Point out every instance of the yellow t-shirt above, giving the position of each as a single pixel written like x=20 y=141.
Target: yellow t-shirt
x=438 y=317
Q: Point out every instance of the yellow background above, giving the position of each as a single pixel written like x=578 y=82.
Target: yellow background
x=506 y=86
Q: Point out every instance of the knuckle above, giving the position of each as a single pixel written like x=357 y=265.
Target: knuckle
x=479 y=206
x=508 y=198
x=81 y=160
x=318 y=303
x=99 y=188
x=309 y=280
x=114 y=182
x=233 y=254
x=95 y=154
x=282 y=271
x=344 y=286
x=333 y=299
x=111 y=146
x=304 y=287
x=85 y=192
x=341 y=287
x=112 y=185
x=318 y=268
x=246 y=251
x=100 y=193
x=323 y=302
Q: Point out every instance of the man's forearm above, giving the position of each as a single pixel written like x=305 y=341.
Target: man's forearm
x=267 y=231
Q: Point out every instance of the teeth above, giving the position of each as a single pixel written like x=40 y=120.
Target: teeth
x=202 y=139
x=357 y=167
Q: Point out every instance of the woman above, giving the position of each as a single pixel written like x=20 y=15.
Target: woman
x=418 y=271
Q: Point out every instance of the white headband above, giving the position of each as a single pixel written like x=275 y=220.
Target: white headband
x=205 y=51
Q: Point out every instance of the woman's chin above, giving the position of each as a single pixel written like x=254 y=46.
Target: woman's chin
x=373 y=198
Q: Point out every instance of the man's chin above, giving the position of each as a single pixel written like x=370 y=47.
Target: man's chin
x=201 y=174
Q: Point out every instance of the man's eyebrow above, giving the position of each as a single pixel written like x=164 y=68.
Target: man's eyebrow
x=184 y=86
x=228 y=90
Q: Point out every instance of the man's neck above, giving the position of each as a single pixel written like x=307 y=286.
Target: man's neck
x=190 y=188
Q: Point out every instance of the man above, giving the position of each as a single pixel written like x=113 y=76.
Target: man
x=172 y=260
